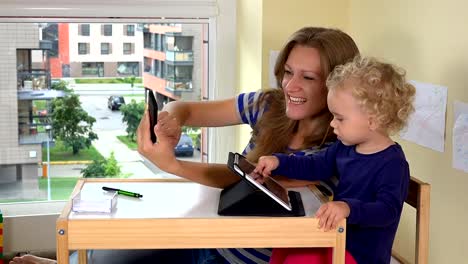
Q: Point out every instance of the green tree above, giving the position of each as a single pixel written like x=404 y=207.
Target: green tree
x=61 y=86
x=111 y=167
x=72 y=124
x=102 y=168
x=95 y=169
x=131 y=115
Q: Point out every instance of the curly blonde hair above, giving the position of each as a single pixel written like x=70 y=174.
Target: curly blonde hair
x=380 y=88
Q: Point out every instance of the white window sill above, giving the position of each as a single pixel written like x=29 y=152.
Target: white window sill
x=32 y=208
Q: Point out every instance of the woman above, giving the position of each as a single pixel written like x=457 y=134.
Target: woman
x=293 y=119
x=296 y=121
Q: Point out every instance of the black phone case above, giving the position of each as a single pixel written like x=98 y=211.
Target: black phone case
x=245 y=199
x=153 y=112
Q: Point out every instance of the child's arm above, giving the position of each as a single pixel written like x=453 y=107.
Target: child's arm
x=265 y=165
x=319 y=166
x=392 y=188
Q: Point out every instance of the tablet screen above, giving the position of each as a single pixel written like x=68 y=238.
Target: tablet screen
x=266 y=184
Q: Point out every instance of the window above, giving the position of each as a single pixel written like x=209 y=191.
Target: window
x=157 y=42
x=106 y=48
x=50 y=33
x=25 y=160
x=117 y=72
x=128 y=48
x=129 y=30
x=178 y=43
x=147 y=65
x=157 y=68
x=106 y=30
x=178 y=72
x=83 y=29
x=128 y=68
x=95 y=69
x=83 y=48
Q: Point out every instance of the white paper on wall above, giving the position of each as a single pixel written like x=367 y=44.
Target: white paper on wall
x=271 y=68
x=460 y=137
x=426 y=126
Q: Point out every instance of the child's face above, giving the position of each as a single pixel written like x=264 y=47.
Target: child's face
x=350 y=123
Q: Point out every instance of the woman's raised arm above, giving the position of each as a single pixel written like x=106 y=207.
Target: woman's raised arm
x=204 y=114
x=170 y=120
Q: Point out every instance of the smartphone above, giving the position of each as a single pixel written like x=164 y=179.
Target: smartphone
x=153 y=113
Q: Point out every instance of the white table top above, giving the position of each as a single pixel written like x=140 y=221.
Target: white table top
x=172 y=200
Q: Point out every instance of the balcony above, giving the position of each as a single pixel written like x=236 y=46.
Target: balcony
x=178 y=85
x=179 y=57
x=29 y=135
x=32 y=128
x=33 y=80
x=34 y=115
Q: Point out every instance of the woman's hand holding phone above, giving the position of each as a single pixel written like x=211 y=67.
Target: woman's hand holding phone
x=162 y=152
x=168 y=128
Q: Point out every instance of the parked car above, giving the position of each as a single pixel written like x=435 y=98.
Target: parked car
x=115 y=102
x=185 y=146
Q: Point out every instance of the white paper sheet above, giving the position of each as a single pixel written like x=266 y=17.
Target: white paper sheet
x=271 y=68
x=426 y=126
x=460 y=136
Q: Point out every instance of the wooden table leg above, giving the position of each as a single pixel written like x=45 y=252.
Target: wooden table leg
x=82 y=256
x=62 y=241
x=339 y=250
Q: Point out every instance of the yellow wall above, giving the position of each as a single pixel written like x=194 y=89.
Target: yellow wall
x=430 y=40
x=282 y=18
x=249 y=43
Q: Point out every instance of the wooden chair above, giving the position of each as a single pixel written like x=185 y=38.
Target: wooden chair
x=419 y=198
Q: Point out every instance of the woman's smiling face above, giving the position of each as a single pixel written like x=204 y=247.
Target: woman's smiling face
x=303 y=84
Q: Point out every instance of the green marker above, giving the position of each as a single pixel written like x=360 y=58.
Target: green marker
x=122 y=192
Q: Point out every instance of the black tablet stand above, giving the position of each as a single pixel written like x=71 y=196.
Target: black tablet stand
x=243 y=199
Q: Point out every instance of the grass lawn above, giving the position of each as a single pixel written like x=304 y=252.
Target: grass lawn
x=61 y=187
x=130 y=144
x=136 y=96
x=60 y=153
x=103 y=80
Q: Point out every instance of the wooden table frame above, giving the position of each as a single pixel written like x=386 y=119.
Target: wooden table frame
x=239 y=232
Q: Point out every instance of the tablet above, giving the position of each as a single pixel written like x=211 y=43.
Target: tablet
x=266 y=184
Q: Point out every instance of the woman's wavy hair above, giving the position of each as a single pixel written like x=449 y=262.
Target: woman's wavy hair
x=380 y=88
x=274 y=130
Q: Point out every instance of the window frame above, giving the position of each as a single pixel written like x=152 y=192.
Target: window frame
x=86 y=50
x=82 y=32
x=107 y=30
x=107 y=51
x=127 y=31
x=221 y=52
x=128 y=51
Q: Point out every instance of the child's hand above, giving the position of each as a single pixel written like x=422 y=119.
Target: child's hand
x=331 y=213
x=266 y=164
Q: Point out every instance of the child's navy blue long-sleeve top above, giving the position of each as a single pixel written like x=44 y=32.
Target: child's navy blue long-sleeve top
x=373 y=185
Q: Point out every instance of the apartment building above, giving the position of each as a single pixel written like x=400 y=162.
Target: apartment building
x=96 y=50
x=173 y=61
x=24 y=104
